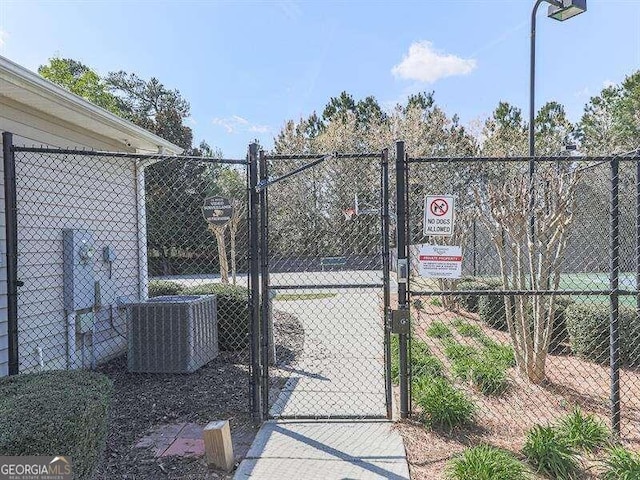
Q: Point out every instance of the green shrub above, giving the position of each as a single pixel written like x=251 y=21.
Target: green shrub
x=485 y=462
x=492 y=311
x=438 y=329
x=158 y=288
x=423 y=363
x=550 y=454
x=559 y=335
x=233 y=313
x=443 y=406
x=583 y=431
x=436 y=302
x=588 y=327
x=56 y=413
x=621 y=464
x=470 y=302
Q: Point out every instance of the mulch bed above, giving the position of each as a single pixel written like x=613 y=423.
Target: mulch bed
x=504 y=420
x=143 y=402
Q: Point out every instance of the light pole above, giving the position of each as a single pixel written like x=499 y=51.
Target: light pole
x=560 y=10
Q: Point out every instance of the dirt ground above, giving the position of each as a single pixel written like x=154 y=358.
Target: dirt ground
x=503 y=421
x=144 y=402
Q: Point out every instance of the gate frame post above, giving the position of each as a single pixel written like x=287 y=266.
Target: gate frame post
x=384 y=191
x=254 y=281
x=265 y=304
x=11 y=230
x=614 y=284
x=401 y=226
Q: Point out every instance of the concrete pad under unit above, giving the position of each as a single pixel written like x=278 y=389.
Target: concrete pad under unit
x=327 y=450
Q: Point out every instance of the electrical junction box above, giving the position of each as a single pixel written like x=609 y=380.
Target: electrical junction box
x=79 y=278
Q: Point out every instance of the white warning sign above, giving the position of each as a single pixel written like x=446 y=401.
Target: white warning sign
x=440 y=261
x=438 y=215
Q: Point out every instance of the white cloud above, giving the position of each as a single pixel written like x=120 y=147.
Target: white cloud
x=585 y=92
x=608 y=83
x=426 y=64
x=236 y=124
x=3 y=37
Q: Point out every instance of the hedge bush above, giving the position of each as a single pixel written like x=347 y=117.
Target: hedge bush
x=470 y=302
x=559 y=335
x=588 y=327
x=56 y=413
x=233 y=313
x=157 y=288
x=492 y=311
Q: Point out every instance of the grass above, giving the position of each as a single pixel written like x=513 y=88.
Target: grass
x=467 y=329
x=438 y=329
x=583 y=431
x=436 y=302
x=621 y=464
x=485 y=462
x=443 y=406
x=550 y=454
x=303 y=296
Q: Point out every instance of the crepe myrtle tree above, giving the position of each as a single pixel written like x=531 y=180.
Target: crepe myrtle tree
x=530 y=260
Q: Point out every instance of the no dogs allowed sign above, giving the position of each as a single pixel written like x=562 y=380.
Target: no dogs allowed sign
x=440 y=261
x=438 y=215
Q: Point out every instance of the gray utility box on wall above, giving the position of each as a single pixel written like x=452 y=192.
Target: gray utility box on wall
x=172 y=334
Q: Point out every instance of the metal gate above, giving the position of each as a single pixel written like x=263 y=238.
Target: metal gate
x=323 y=283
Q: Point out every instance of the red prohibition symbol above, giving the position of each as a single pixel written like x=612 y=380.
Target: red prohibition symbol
x=439 y=207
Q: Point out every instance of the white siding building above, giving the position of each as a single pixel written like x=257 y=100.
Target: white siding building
x=100 y=194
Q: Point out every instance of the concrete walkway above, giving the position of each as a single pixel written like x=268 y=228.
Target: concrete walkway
x=314 y=450
x=340 y=372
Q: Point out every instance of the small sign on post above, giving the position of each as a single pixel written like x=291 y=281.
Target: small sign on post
x=440 y=261
x=438 y=215
x=217 y=210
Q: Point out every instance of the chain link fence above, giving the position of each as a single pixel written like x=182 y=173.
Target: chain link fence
x=325 y=272
x=544 y=318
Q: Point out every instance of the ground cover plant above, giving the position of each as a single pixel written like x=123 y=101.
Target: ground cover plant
x=438 y=329
x=621 y=464
x=485 y=462
x=442 y=405
x=583 y=431
x=549 y=453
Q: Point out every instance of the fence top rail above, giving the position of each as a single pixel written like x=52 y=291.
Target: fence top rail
x=343 y=156
x=134 y=156
x=622 y=158
x=427 y=293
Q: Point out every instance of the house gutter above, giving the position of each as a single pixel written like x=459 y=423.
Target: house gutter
x=11 y=231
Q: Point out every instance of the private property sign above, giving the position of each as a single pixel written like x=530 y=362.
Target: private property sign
x=438 y=215
x=440 y=261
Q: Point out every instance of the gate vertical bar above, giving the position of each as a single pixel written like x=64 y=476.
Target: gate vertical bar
x=403 y=272
x=384 y=192
x=254 y=273
x=614 y=281
x=11 y=230
x=265 y=311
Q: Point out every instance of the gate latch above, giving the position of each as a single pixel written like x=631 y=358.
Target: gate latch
x=400 y=321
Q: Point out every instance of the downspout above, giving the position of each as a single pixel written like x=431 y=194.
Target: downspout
x=11 y=232
x=141 y=224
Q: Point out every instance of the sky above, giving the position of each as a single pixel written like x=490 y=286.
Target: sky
x=247 y=67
